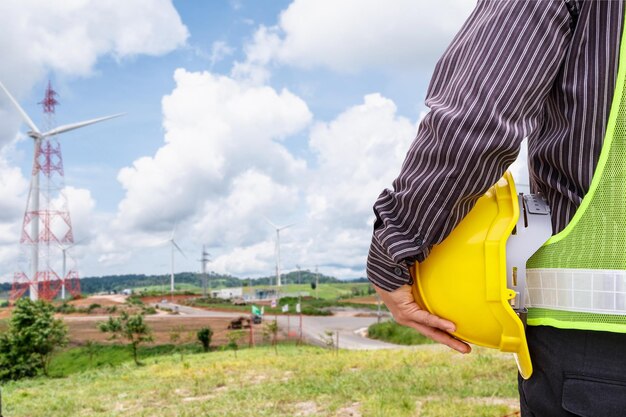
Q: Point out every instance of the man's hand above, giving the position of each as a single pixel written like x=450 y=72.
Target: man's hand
x=407 y=313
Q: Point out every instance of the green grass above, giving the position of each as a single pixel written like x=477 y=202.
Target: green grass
x=310 y=306
x=390 y=331
x=178 y=288
x=325 y=291
x=428 y=382
x=73 y=360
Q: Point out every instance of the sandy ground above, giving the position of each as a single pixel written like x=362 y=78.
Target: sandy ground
x=103 y=300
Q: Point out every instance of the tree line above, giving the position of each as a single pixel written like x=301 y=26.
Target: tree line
x=117 y=283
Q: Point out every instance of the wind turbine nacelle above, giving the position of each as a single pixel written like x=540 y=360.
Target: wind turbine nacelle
x=34 y=135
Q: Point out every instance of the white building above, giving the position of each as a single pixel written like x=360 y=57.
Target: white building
x=227 y=293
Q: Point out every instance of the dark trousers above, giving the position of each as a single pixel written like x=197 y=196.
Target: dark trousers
x=575 y=373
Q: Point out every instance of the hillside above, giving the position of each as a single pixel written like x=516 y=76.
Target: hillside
x=92 y=285
x=299 y=381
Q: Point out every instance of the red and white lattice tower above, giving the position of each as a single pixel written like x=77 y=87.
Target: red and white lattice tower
x=47 y=227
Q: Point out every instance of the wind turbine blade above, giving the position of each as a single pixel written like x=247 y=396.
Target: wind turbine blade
x=78 y=242
x=179 y=249
x=270 y=222
x=73 y=126
x=174 y=230
x=19 y=108
x=285 y=227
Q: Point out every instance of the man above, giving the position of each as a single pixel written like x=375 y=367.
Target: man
x=542 y=70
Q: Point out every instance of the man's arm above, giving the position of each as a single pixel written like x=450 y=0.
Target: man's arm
x=486 y=95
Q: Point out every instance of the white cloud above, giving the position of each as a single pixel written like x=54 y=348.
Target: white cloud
x=351 y=35
x=68 y=38
x=359 y=153
x=246 y=261
x=219 y=51
x=222 y=165
x=13 y=188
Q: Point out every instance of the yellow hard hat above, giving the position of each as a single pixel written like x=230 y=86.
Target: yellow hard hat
x=466 y=279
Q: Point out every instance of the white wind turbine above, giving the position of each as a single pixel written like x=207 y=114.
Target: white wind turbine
x=174 y=246
x=278 y=229
x=38 y=137
x=64 y=250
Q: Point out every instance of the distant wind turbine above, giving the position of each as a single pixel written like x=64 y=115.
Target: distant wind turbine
x=278 y=229
x=174 y=247
x=64 y=250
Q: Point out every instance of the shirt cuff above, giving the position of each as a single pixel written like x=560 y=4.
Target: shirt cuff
x=383 y=272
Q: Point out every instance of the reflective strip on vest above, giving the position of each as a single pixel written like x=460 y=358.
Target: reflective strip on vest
x=591 y=291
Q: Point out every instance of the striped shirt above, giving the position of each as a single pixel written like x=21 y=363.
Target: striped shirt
x=542 y=70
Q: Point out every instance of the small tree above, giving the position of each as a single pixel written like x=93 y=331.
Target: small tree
x=328 y=338
x=90 y=347
x=233 y=339
x=204 y=336
x=132 y=328
x=179 y=337
x=271 y=330
x=31 y=339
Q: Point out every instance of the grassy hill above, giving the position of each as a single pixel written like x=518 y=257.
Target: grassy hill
x=299 y=381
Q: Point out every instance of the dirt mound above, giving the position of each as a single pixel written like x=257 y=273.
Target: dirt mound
x=103 y=300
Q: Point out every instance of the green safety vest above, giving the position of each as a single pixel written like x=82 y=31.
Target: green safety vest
x=577 y=279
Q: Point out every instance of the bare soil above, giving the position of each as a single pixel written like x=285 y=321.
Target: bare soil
x=5 y=312
x=370 y=299
x=85 y=328
x=103 y=300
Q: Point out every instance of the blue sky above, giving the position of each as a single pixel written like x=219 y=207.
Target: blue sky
x=303 y=115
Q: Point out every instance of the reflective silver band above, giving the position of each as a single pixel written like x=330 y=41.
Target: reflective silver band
x=586 y=290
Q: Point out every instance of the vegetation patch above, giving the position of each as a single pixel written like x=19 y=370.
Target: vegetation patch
x=392 y=332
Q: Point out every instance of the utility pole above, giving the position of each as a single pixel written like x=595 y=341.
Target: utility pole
x=205 y=260
x=299 y=306
x=317 y=283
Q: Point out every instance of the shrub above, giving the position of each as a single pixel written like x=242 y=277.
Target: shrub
x=179 y=337
x=92 y=307
x=149 y=310
x=134 y=300
x=33 y=335
x=65 y=308
x=234 y=336
x=204 y=336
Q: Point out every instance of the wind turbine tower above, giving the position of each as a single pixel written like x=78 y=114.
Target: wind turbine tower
x=47 y=226
x=174 y=247
x=278 y=230
x=204 y=260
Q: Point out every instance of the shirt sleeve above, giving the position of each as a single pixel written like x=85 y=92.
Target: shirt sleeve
x=486 y=95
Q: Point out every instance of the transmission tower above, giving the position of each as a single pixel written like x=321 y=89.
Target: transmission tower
x=45 y=268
